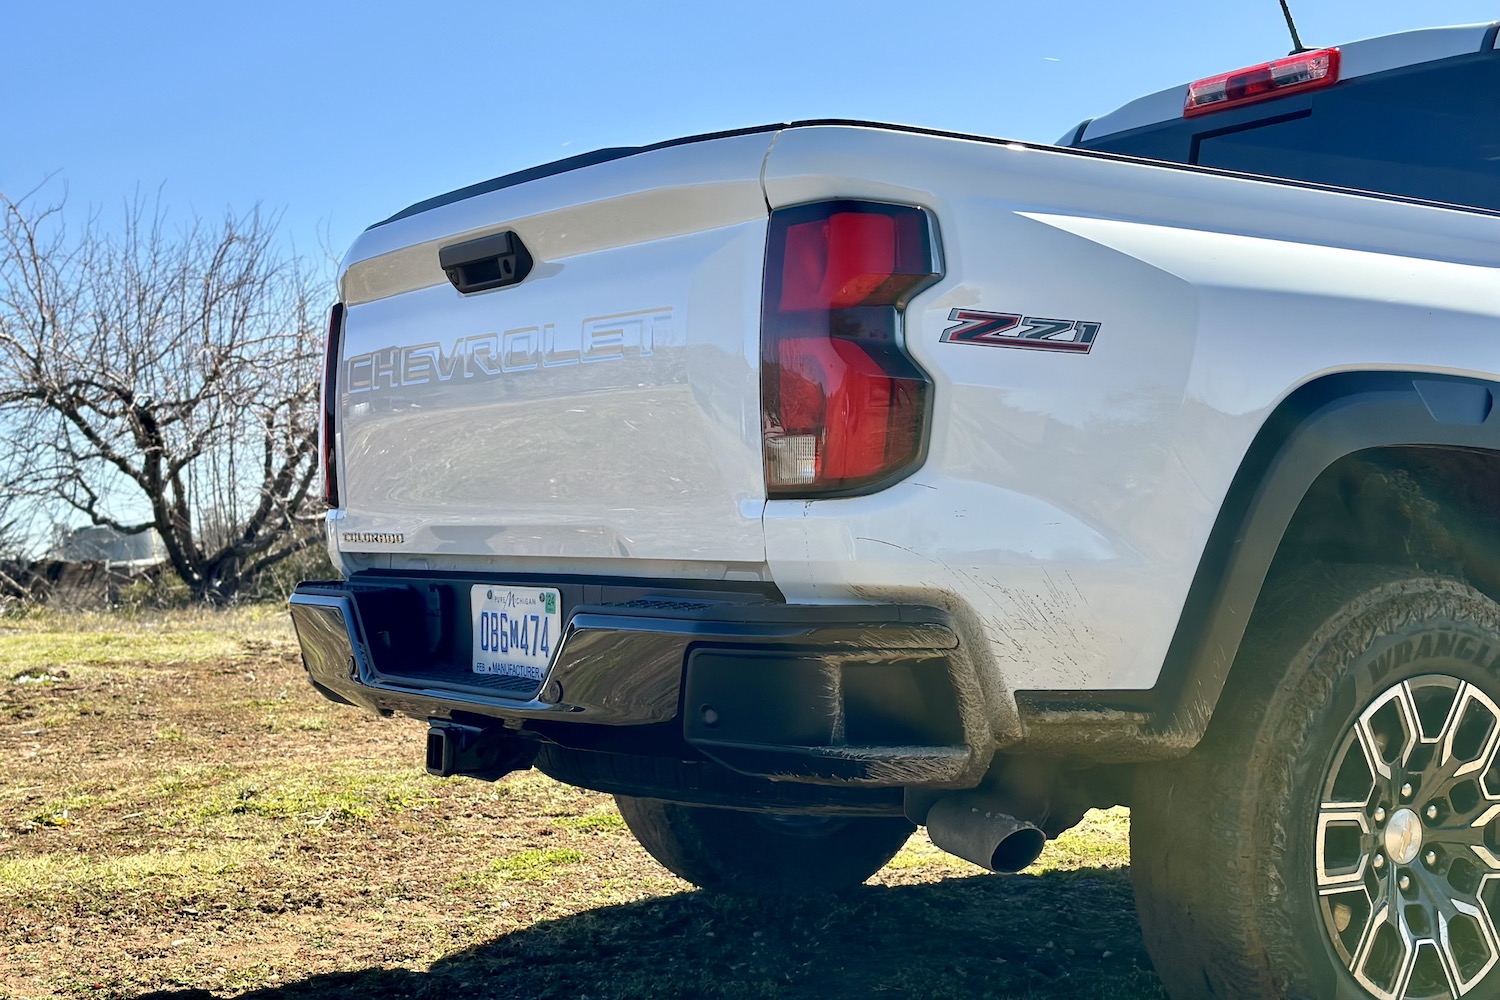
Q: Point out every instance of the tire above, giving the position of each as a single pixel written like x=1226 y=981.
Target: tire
x=1367 y=708
x=760 y=854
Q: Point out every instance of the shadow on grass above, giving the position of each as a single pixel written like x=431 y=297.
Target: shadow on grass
x=1060 y=935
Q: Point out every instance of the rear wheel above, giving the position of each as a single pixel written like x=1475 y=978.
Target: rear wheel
x=1337 y=833
x=757 y=854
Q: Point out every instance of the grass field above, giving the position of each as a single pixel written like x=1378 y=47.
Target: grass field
x=181 y=816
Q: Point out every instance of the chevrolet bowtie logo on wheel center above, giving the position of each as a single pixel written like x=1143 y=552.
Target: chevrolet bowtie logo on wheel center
x=1403 y=836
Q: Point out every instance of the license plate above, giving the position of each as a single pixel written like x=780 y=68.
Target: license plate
x=515 y=630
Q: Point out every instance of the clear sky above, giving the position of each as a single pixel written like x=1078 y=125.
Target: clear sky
x=339 y=113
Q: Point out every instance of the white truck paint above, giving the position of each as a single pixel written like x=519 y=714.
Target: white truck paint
x=1066 y=499
x=606 y=410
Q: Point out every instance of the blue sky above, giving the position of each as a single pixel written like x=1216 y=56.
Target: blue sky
x=338 y=114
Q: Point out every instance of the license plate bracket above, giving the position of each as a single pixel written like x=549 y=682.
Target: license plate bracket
x=516 y=630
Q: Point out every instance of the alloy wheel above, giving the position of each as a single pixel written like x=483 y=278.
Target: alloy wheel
x=1407 y=849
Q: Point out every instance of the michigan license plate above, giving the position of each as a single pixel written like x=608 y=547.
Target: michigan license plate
x=515 y=630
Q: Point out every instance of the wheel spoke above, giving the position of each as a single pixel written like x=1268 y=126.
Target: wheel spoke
x=1411 y=721
x=1448 y=964
x=1470 y=699
x=1454 y=711
x=1399 y=701
x=1367 y=747
x=1486 y=856
x=1385 y=916
x=1403 y=978
x=1475 y=913
x=1446 y=901
x=1337 y=877
x=1471 y=834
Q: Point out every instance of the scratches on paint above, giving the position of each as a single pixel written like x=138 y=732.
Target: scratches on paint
x=1048 y=629
x=1032 y=615
x=882 y=541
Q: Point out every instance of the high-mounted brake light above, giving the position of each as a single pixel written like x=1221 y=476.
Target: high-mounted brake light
x=327 y=425
x=1292 y=75
x=844 y=408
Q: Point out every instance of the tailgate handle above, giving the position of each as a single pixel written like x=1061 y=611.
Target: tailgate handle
x=492 y=261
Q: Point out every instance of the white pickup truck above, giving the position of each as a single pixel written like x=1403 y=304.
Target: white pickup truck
x=804 y=483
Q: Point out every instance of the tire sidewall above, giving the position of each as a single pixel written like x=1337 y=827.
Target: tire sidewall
x=1400 y=647
x=753 y=854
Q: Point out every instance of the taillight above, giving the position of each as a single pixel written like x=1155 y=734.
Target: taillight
x=327 y=426
x=1294 y=74
x=843 y=407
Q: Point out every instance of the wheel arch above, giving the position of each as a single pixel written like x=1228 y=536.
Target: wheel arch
x=1420 y=430
x=1430 y=428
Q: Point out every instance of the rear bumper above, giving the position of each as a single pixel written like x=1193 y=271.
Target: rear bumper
x=862 y=695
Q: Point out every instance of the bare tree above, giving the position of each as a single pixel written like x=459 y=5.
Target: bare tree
x=165 y=378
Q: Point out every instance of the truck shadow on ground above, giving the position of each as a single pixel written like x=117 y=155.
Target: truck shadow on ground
x=1059 y=935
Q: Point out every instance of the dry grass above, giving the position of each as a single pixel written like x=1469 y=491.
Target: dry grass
x=180 y=813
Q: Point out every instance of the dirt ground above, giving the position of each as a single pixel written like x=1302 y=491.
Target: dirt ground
x=181 y=816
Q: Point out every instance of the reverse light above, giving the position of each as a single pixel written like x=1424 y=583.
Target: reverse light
x=327 y=425
x=844 y=408
x=1294 y=74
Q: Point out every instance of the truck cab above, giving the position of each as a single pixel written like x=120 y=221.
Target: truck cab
x=1414 y=114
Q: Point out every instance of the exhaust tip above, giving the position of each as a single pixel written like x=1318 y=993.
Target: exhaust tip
x=977 y=828
x=1018 y=850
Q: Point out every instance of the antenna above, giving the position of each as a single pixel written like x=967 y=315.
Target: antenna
x=1291 y=25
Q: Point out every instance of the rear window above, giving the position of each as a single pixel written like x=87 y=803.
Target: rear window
x=1429 y=131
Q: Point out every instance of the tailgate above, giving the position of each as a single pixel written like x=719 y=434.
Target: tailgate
x=605 y=407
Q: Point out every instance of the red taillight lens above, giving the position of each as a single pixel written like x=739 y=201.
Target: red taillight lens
x=327 y=426
x=844 y=409
x=1294 y=74
x=838 y=261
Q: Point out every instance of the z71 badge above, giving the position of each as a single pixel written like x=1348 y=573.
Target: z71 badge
x=1013 y=330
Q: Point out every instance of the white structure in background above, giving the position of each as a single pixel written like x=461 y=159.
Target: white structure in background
x=96 y=543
